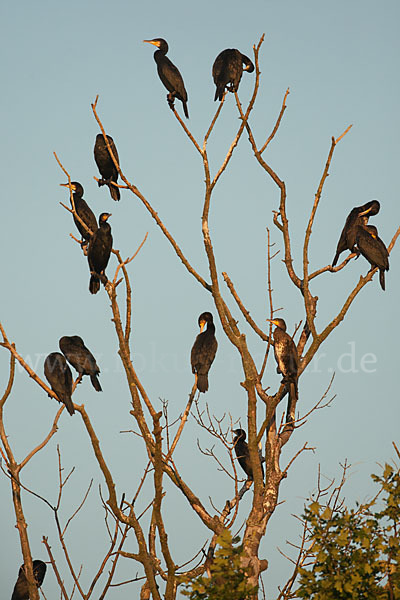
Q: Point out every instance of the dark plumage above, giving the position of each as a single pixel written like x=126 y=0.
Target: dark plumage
x=227 y=71
x=243 y=454
x=285 y=355
x=99 y=252
x=59 y=376
x=105 y=164
x=203 y=351
x=21 y=587
x=80 y=358
x=348 y=236
x=373 y=249
x=169 y=75
x=83 y=211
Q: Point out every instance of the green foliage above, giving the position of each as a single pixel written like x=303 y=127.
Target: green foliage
x=355 y=553
x=228 y=579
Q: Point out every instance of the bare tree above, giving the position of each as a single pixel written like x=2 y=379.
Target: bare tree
x=156 y=569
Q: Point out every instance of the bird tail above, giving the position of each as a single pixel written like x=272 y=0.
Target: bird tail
x=335 y=259
x=95 y=382
x=219 y=92
x=66 y=399
x=382 y=278
x=202 y=383
x=185 y=109
x=291 y=406
x=94 y=284
x=114 y=191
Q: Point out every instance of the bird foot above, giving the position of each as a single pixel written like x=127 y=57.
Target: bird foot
x=171 y=101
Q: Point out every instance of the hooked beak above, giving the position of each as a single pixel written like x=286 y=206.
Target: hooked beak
x=365 y=212
x=272 y=321
x=151 y=42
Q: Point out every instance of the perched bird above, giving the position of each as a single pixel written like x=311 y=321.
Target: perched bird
x=80 y=358
x=203 y=351
x=99 y=252
x=169 y=75
x=373 y=249
x=227 y=71
x=105 y=164
x=243 y=454
x=59 y=376
x=21 y=587
x=348 y=236
x=83 y=211
x=285 y=355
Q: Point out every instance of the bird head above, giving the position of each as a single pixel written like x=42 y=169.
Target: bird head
x=103 y=217
x=279 y=323
x=204 y=318
x=160 y=43
x=239 y=434
x=75 y=186
x=372 y=230
x=370 y=208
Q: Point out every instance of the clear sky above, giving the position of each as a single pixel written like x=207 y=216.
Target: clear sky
x=340 y=61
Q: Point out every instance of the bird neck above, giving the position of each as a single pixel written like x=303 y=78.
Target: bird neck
x=159 y=55
x=210 y=328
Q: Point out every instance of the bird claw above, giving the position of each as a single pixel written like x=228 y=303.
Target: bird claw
x=171 y=101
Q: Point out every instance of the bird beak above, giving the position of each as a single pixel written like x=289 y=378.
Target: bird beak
x=70 y=186
x=365 y=212
x=272 y=321
x=108 y=216
x=151 y=42
x=202 y=324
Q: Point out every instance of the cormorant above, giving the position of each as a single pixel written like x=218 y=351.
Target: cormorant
x=99 y=252
x=285 y=354
x=203 y=351
x=374 y=250
x=169 y=75
x=243 y=454
x=59 y=376
x=348 y=236
x=105 y=164
x=21 y=587
x=83 y=211
x=227 y=71
x=80 y=358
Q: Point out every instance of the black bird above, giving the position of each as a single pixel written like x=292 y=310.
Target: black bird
x=227 y=71
x=374 y=250
x=80 y=358
x=243 y=454
x=21 y=587
x=83 y=211
x=348 y=236
x=59 y=376
x=105 y=164
x=203 y=351
x=169 y=75
x=99 y=252
x=285 y=355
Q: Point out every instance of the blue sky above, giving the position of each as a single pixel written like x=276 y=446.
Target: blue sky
x=340 y=61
